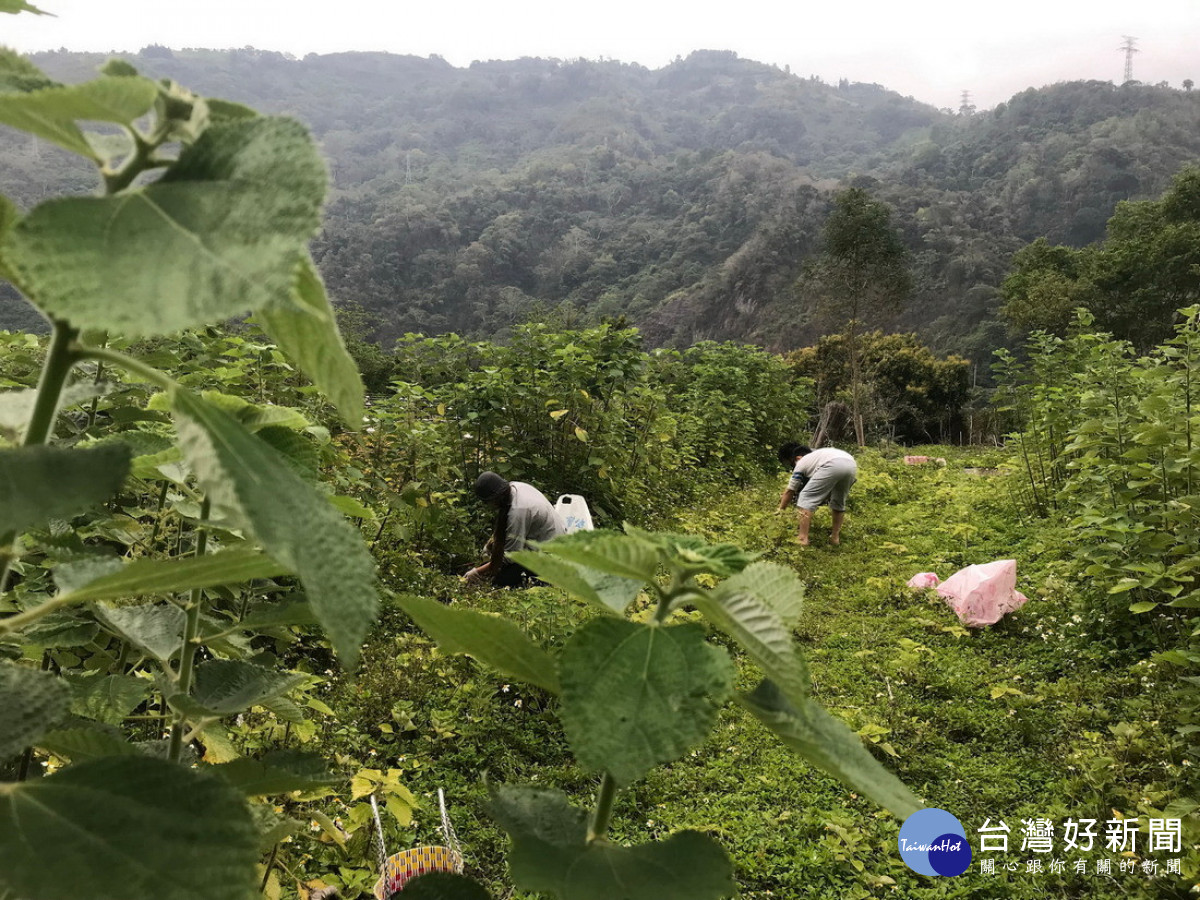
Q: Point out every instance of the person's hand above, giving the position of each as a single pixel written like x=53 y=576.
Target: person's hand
x=472 y=576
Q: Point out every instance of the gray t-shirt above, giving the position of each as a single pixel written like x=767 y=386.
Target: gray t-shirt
x=530 y=518
x=810 y=462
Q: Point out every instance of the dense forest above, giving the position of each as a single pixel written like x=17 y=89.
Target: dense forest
x=686 y=198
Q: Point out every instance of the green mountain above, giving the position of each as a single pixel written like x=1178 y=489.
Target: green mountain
x=685 y=198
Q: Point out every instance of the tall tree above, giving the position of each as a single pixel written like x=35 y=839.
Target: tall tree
x=861 y=273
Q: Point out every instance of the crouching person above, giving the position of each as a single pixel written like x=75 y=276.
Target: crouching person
x=523 y=514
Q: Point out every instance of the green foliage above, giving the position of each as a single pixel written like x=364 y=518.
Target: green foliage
x=638 y=693
x=1132 y=283
x=107 y=818
x=909 y=393
x=551 y=853
x=38 y=484
x=239 y=203
x=31 y=703
x=104 y=501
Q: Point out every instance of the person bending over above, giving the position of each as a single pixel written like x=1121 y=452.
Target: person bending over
x=523 y=514
x=817 y=476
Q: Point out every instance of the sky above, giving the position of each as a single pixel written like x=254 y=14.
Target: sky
x=932 y=50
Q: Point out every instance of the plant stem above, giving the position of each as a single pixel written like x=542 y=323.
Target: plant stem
x=602 y=811
x=59 y=361
x=187 y=656
x=136 y=366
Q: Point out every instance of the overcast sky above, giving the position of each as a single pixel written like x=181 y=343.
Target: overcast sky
x=929 y=49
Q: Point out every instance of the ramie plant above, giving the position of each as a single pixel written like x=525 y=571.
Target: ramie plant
x=121 y=667
x=639 y=692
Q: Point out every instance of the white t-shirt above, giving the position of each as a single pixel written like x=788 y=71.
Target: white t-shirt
x=530 y=518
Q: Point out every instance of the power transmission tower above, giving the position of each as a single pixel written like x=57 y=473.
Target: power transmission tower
x=966 y=108
x=1129 y=48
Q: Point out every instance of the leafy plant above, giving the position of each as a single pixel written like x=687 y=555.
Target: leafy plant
x=205 y=212
x=638 y=692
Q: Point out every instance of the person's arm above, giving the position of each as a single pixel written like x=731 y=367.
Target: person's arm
x=495 y=560
x=789 y=497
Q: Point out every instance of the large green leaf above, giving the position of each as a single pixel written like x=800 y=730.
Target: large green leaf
x=41 y=483
x=739 y=607
x=156 y=577
x=278 y=772
x=828 y=744
x=777 y=586
x=634 y=695
x=63 y=628
x=297 y=526
x=491 y=640
x=219 y=234
x=106 y=698
x=550 y=853
x=614 y=592
x=227 y=686
x=52 y=112
x=126 y=827
x=616 y=554
x=156 y=629
x=305 y=329
x=693 y=554
x=31 y=703
x=86 y=740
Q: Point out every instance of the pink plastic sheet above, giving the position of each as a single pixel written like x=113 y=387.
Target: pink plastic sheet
x=979 y=595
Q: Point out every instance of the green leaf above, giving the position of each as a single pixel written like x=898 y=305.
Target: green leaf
x=613 y=592
x=114 y=829
x=225 y=687
x=296 y=525
x=616 y=554
x=106 y=698
x=156 y=577
x=444 y=886
x=64 y=628
x=31 y=703
x=75 y=574
x=155 y=629
x=827 y=743
x=228 y=110
x=80 y=742
x=305 y=329
x=775 y=585
x=692 y=554
x=491 y=640
x=20 y=6
x=52 y=112
x=550 y=853
x=1143 y=606
x=738 y=609
x=278 y=772
x=41 y=483
x=219 y=234
x=634 y=695
x=298 y=450
x=282 y=613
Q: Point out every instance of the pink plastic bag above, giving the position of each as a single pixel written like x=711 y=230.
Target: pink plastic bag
x=923 y=580
x=979 y=595
x=915 y=460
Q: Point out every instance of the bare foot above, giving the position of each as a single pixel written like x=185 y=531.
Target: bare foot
x=803 y=542
x=835 y=541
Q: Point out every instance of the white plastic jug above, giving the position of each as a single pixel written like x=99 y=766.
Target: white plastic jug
x=573 y=510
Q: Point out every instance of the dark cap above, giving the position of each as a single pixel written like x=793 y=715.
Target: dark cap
x=489 y=486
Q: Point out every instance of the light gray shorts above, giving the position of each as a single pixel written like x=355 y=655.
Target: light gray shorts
x=830 y=482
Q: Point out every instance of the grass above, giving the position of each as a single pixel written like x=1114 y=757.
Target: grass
x=1027 y=719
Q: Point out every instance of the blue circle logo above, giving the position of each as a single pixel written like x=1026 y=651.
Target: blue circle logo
x=933 y=842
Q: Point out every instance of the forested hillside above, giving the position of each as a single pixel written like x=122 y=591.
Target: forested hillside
x=685 y=198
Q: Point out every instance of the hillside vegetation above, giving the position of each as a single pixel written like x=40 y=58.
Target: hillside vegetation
x=686 y=198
